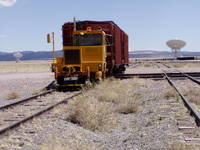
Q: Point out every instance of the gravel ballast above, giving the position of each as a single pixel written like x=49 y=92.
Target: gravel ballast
x=154 y=126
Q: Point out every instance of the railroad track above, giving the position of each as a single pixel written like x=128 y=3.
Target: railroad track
x=185 y=74
x=17 y=117
x=46 y=90
x=156 y=75
x=13 y=116
x=24 y=100
x=50 y=85
x=168 y=76
x=8 y=111
x=189 y=106
x=186 y=102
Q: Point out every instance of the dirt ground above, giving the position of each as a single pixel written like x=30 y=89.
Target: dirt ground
x=23 y=78
x=150 y=67
x=25 y=66
x=24 y=84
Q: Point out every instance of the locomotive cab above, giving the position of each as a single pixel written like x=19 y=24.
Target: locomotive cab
x=83 y=61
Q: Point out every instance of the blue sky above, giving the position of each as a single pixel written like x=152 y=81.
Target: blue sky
x=149 y=23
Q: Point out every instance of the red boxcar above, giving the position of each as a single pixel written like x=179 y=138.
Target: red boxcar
x=117 y=53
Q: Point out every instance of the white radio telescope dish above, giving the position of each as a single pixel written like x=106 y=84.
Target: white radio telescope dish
x=176 y=46
x=18 y=56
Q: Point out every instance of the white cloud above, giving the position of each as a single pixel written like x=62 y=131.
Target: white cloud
x=7 y=3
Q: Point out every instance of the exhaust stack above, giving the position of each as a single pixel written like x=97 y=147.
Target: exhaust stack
x=74 y=23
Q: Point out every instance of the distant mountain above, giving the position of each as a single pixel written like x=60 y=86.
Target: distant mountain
x=153 y=53
x=29 y=55
x=45 y=55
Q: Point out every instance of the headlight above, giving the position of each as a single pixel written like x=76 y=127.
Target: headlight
x=77 y=68
x=100 y=66
x=65 y=69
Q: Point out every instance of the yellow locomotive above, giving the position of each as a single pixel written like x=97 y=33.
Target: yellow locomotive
x=91 y=52
x=84 y=61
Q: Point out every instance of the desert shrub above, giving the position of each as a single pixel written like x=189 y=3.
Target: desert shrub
x=128 y=106
x=91 y=114
x=194 y=98
x=96 y=108
x=116 y=90
x=169 y=93
x=193 y=95
x=12 y=95
x=58 y=110
x=106 y=91
x=106 y=95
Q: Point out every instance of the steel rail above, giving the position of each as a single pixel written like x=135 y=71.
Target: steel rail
x=18 y=123
x=25 y=99
x=19 y=101
x=156 y=75
x=191 y=78
x=185 y=74
x=49 y=86
x=165 y=65
x=193 y=112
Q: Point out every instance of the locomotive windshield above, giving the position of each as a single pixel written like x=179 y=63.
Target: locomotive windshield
x=88 y=39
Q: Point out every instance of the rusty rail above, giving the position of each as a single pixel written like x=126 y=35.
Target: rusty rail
x=19 y=101
x=18 y=123
x=184 y=74
x=156 y=75
x=25 y=99
x=193 y=112
x=50 y=85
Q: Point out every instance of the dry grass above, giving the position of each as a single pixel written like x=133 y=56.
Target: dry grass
x=12 y=95
x=190 y=65
x=35 y=92
x=25 y=66
x=118 y=93
x=183 y=146
x=53 y=147
x=127 y=107
x=193 y=95
x=170 y=93
x=96 y=109
x=107 y=92
x=91 y=114
x=176 y=65
x=194 y=99
x=115 y=91
x=146 y=64
x=58 y=110
x=185 y=65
